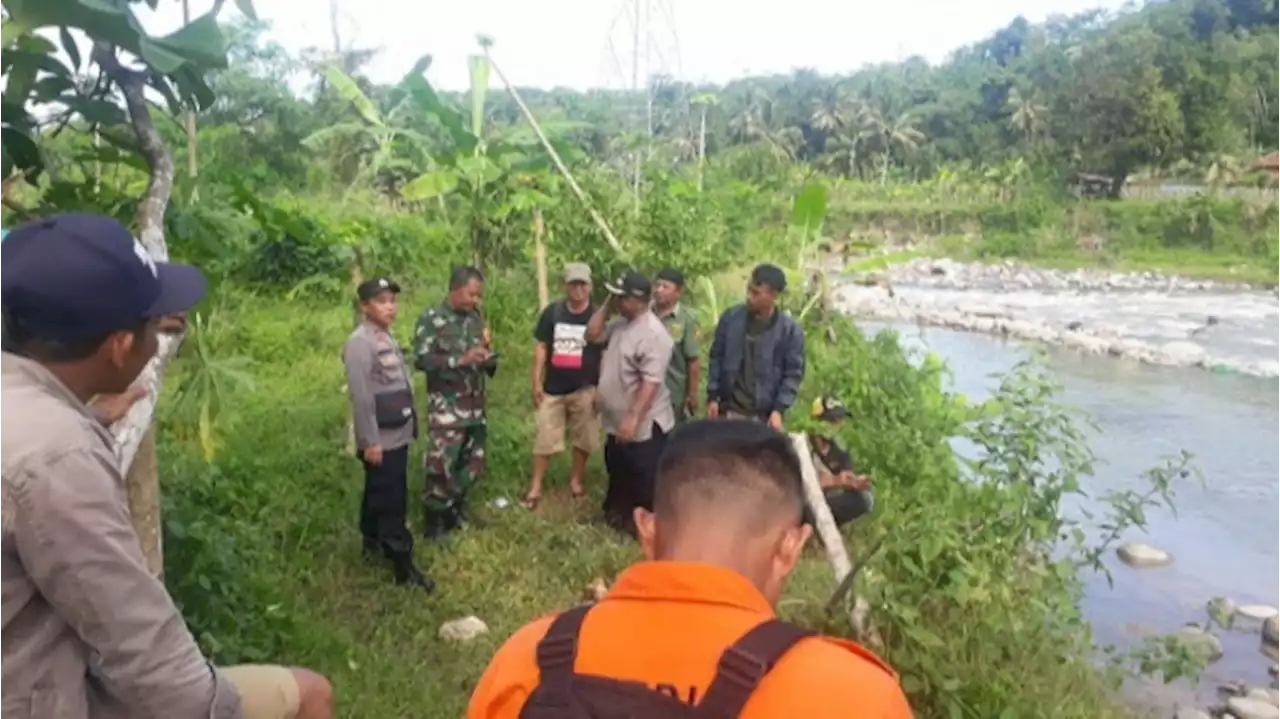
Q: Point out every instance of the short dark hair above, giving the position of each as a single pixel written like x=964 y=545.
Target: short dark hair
x=770 y=275
x=729 y=466
x=463 y=275
x=672 y=275
x=18 y=340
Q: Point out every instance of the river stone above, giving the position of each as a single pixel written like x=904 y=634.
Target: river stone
x=1270 y=630
x=1183 y=353
x=1257 y=612
x=1191 y=713
x=1263 y=695
x=1200 y=642
x=463 y=630
x=1137 y=554
x=1246 y=708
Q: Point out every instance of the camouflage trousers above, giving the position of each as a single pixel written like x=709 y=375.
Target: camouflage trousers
x=454 y=462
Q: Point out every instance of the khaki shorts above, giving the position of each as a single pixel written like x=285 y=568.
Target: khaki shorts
x=575 y=412
x=266 y=691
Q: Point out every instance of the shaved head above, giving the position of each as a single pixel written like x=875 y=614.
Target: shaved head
x=731 y=471
x=728 y=492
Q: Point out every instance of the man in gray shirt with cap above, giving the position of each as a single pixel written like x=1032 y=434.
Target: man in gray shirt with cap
x=635 y=406
x=89 y=632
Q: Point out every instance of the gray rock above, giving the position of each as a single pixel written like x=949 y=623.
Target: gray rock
x=1270 y=631
x=1263 y=695
x=1246 y=708
x=1191 y=713
x=1137 y=554
x=1256 y=612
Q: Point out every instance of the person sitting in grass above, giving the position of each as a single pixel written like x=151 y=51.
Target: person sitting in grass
x=849 y=494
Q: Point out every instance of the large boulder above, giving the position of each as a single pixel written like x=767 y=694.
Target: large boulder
x=1246 y=708
x=1270 y=630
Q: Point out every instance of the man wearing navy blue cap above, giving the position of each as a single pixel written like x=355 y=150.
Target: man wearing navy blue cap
x=88 y=632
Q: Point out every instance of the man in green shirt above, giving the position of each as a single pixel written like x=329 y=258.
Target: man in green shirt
x=682 y=373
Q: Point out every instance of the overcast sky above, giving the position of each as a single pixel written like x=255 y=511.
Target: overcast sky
x=548 y=43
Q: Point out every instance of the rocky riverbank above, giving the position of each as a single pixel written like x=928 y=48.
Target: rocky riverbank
x=1145 y=317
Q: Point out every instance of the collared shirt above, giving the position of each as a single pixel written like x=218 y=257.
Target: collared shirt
x=637 y=354
x=667 y=623
x=682 y=325
x=455 y=393
x=378 y=385
x=88 y=632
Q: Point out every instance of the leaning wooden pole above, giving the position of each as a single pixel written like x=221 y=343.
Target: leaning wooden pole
x=832 y=541
x=555 y=157
x=540 y=257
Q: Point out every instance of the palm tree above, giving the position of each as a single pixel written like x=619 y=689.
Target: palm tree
x=1025 y=114
x=844 y=121
x=703 y=100
x=899 y=133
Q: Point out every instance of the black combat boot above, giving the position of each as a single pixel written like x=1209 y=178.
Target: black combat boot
x=408 y=575
x=462 y=514
x=437 y=523
x=370 y=550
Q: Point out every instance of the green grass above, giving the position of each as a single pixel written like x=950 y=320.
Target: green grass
x=264 y=551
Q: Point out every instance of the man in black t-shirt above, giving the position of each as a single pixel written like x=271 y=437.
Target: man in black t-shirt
x=565 y=371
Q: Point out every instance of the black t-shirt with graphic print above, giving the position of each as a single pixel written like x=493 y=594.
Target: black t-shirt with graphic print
x=572 y=363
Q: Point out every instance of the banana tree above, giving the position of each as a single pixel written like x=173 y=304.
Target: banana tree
x=395 y=147
x=483 y=172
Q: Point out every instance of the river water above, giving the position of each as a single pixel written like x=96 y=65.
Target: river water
x=1224 y=537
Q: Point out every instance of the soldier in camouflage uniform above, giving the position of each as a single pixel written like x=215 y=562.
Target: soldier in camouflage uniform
x=451 y=345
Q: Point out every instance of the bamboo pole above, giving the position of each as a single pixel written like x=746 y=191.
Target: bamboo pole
x=555 y=157
x=540 y=257
x=823 y=523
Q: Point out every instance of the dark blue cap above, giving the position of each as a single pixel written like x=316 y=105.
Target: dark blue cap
x=76 y=276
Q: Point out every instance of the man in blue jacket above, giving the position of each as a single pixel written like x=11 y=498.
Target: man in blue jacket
x=757 y=355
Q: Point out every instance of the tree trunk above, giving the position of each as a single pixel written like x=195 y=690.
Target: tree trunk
x=131 y=431
x=144 y=502
x=884 y=170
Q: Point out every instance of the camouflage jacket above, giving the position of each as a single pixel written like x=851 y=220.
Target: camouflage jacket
x=455 y=394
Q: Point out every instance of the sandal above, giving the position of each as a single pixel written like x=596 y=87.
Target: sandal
x=530 y=501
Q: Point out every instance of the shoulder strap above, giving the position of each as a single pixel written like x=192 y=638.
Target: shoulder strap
x=559 y=649
x=744 y=664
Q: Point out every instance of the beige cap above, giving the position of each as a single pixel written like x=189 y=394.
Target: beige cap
x=577 y=272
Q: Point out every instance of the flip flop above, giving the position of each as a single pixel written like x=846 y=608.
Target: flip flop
x=530 y=502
